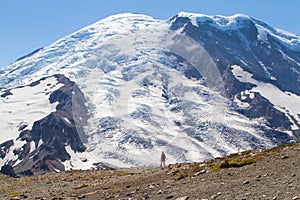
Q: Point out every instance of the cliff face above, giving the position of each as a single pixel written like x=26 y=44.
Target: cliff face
x=44 y=145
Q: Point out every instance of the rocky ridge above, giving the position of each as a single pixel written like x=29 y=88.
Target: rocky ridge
x=260 y=174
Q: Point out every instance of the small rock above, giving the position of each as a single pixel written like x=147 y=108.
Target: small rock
x=57 y=198
x=15 y=198
x=170 y=197
x=257 y=177
x=128 y=194
x=198 y=173
x=183 y=198
x=224 y=164
x=160 y=192
x=295 y=198
x=24 y=196
x=81 y=196
x=146 y=196
x=80 y=186
x=293 y=175
x=172 y=173
x=284 y=157
x=246 y=182
x=151 y=187
x=202 y=165
x=133 y=192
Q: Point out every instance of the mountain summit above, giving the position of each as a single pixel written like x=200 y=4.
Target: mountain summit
x=120 y=91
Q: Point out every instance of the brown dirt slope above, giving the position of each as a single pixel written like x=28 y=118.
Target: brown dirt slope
x=261 y=174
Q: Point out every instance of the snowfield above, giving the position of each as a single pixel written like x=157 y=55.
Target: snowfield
x=22 y=108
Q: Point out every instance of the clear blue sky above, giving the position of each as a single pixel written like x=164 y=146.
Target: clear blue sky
x=26 y=25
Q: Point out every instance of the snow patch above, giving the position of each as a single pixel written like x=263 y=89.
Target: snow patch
x=284 y=37
x=285 y=102
x=26 y=105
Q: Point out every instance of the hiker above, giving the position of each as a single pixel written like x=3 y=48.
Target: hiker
x=163 y=159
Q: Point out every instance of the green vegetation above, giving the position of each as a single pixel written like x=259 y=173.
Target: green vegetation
x=235 y=160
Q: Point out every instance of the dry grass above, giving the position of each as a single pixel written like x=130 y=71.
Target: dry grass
x=244 y=158
x=111 y=182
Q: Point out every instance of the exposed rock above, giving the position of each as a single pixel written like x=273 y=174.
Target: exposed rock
x=183 y=198
x=4 y=147
x=160 y=192
x=224 y=164
x=151 y=187
x=170 y=197
x=81 y=197
x=56 y=130
x=200 y=172
x=8 y=170
x=81 y=186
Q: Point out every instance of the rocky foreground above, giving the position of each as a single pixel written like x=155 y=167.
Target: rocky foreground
x=261 y=174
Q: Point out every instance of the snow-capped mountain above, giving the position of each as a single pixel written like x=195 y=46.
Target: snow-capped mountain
x=120 y=91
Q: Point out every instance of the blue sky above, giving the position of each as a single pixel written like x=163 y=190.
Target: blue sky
x=31 y=24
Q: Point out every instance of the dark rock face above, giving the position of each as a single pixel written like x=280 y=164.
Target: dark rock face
x=7 y=93
x=242 y=47
x=4 y=147
x=52 y=133
x=46 y=158
x=8 y=170
x=233 y=46
x=260 y=106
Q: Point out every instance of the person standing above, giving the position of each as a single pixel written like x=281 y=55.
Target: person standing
x=163 y=159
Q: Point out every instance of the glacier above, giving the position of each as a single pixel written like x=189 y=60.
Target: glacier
x=152 y=85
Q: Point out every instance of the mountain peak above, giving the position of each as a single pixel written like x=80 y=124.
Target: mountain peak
x=226 y=22
x=188 y=14
x=130 y=86
x=238 y=21
x=126 y=16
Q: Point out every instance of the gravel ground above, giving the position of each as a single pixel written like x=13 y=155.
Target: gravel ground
x=261 y=174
